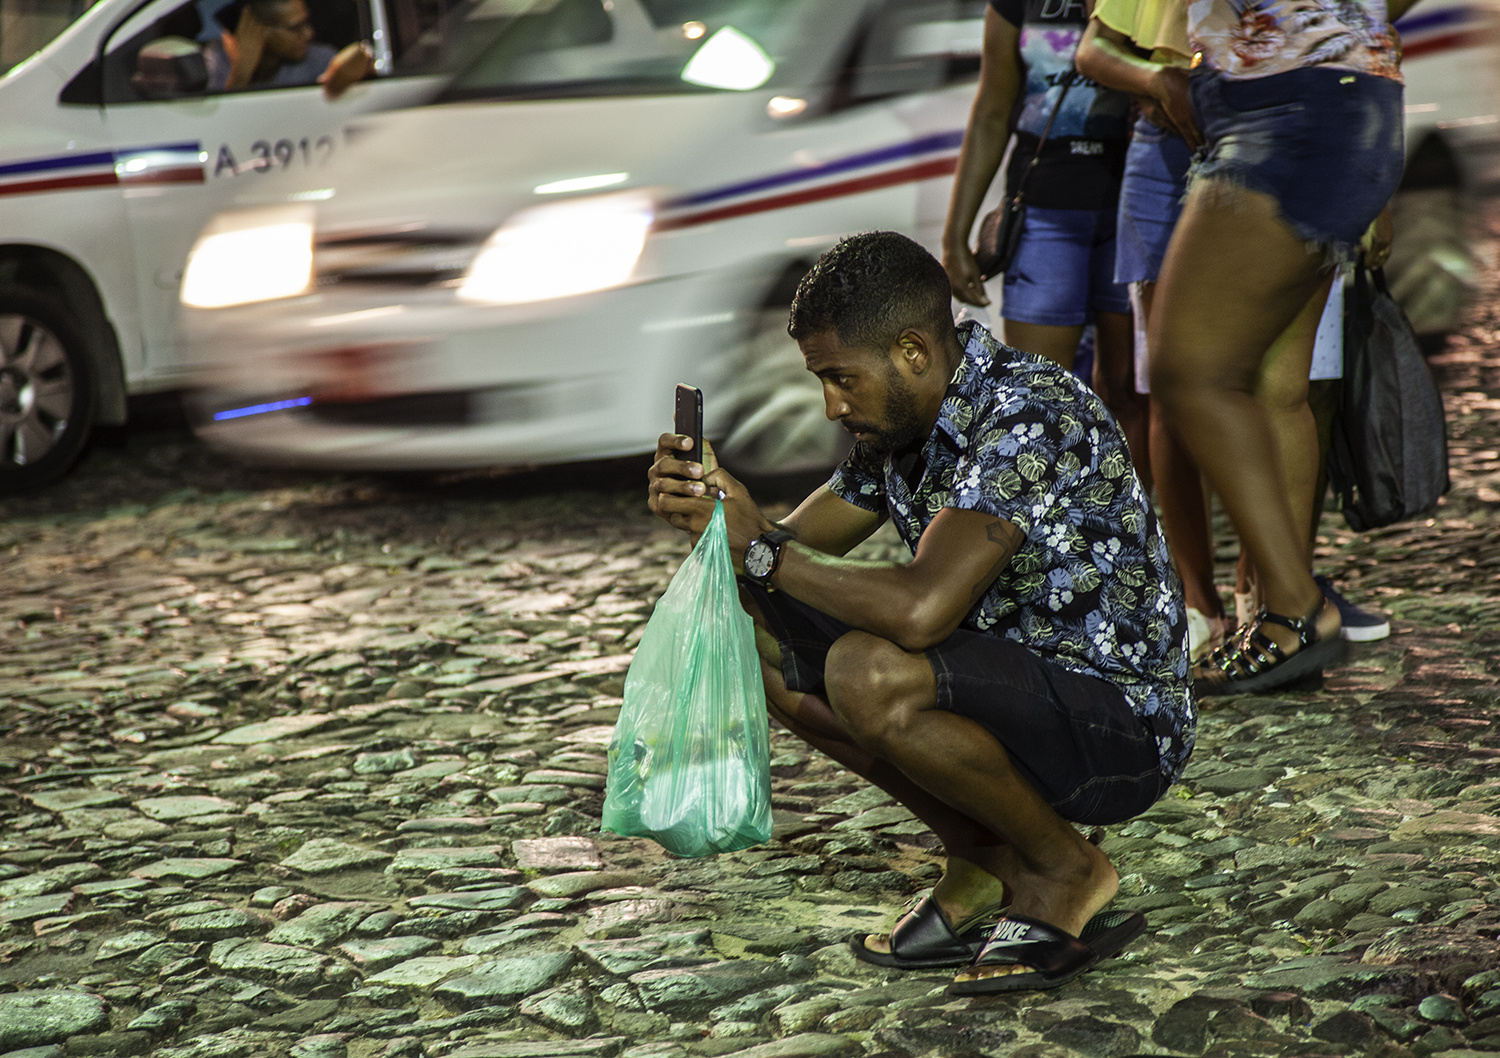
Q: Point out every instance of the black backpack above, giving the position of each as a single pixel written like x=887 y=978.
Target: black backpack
x=1389 y=458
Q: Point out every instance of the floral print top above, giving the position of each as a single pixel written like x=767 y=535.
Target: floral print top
x=1091 y=588
x=1256 y=38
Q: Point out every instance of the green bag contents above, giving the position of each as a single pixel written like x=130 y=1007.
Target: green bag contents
x=690 y=763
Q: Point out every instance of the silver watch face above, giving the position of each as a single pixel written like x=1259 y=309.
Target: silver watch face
x=759 y=557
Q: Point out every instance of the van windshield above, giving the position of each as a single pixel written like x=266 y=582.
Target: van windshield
x=559 y=48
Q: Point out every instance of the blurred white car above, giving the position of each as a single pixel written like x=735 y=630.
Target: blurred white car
x=614 y=196
x=113 y=155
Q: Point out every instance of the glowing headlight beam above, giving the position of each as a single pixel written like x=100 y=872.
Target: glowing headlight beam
x=249 y=256
x=560 y=250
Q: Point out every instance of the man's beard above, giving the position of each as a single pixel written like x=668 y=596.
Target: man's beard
x=903 y=427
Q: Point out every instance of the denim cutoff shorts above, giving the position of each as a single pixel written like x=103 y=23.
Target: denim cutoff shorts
x=1327 y=144
x=1151 y=194
x=1063 y=269
x=1074 y=738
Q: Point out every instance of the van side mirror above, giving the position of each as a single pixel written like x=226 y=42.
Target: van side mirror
x=170 y=68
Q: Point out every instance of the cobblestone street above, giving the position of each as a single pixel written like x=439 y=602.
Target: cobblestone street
x=313 y=766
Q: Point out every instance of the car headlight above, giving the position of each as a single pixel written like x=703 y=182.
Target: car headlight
x=250 y=255
x=559 y=250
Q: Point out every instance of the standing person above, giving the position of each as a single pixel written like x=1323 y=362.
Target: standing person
x=1027 y=669
x=1151 y=194
x=1151 y=191
x=1062 y=276
x=1300 y=106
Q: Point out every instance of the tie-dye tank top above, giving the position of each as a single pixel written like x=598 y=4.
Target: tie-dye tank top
x=1257 y=38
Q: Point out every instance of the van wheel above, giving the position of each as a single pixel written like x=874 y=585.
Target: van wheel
x=777 y=408
x=46 y=391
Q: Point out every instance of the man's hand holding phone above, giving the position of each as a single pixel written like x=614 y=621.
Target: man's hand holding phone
x=682 y=490
x=678 y=491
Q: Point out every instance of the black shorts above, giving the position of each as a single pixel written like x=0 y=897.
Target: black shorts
x=1073 y=737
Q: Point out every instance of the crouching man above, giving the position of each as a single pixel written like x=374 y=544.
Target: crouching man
x=1025 y=672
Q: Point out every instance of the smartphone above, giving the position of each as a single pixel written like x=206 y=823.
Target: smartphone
x=689 y=421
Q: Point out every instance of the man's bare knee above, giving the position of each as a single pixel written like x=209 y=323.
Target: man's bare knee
x=868 y=679
x=767 y=646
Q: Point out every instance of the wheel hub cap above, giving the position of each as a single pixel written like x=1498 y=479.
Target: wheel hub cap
x=36 y=390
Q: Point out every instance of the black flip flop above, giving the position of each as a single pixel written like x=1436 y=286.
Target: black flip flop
x=1052 y=956
x=926 y=942
x=1109 y=931
x=923 y=940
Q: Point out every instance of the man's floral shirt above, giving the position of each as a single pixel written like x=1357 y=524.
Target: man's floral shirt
x=1092 y=587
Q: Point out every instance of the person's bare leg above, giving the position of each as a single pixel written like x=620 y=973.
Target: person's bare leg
x=887 y=700
x=1282 y=390
x=1058 y=344
x=1114 y=381
x=1184 y=508
x=1323 y=399
x=970 y=884
x=1235 y=276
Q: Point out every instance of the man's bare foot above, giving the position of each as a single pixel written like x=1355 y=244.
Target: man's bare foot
x=1065 y=896
x=964 y=893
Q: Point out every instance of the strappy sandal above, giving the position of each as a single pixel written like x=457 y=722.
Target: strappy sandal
x=1253 y=662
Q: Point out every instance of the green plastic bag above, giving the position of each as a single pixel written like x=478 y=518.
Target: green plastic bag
x=690 y=763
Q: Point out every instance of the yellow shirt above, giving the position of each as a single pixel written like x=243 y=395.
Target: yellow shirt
x=1157 y=25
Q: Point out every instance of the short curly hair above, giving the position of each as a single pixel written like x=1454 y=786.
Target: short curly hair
x=869 y=288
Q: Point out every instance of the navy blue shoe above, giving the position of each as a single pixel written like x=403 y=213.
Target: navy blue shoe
x=1360 y=626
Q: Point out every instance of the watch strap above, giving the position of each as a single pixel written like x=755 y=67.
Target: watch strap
x=777 y=539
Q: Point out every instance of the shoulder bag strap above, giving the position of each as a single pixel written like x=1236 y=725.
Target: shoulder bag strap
x=1046 y=131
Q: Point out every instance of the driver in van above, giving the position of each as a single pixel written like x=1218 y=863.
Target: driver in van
x=271 y=45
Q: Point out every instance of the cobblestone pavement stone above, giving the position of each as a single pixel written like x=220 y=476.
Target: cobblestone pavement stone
x=309 y=766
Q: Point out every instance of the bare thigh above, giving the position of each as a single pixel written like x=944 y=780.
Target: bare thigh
x=1234 y=277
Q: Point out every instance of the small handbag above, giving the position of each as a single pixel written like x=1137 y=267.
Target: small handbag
x=1000 y=231
x=1389 y=458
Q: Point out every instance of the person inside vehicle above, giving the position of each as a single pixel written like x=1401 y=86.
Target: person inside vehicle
x=269 y=43
x=1027 y=671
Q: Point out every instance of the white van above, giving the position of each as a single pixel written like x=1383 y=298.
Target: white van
x=106 y=177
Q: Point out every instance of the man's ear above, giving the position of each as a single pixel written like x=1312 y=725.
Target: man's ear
x=914 y=350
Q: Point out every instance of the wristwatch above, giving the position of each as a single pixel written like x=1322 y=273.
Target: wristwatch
x=764 y=555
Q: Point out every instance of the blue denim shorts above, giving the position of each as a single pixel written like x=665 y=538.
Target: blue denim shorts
x=1156 y=169
x=1327 y=144
x=1063 y=269
x=1074 y=738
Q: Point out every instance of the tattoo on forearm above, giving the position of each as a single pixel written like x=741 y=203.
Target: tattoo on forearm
x=1009 y=538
